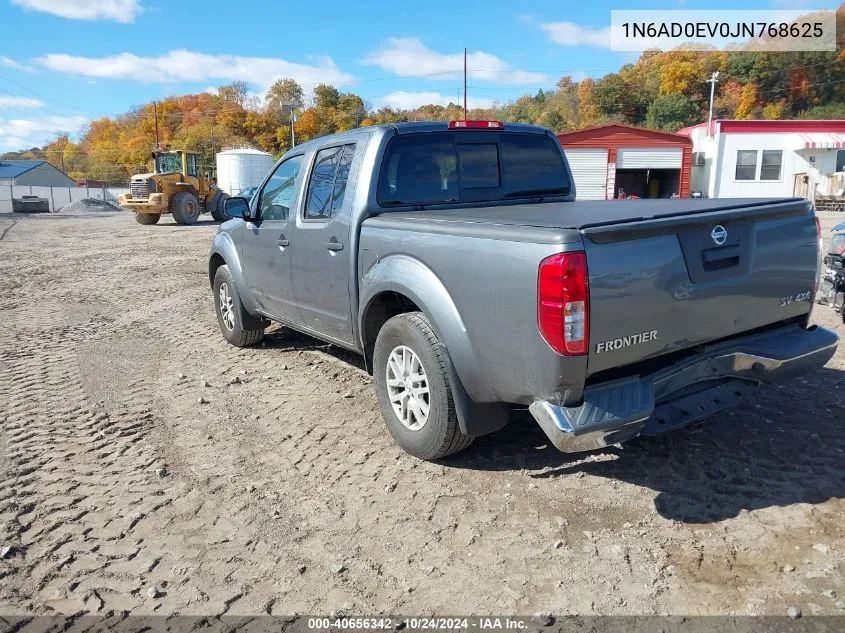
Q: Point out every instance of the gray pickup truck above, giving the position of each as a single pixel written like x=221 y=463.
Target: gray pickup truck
x=455 y=259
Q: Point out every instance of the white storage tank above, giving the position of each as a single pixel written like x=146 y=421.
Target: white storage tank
x=238 y=169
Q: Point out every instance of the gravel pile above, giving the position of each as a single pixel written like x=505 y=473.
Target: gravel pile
x=89 y=205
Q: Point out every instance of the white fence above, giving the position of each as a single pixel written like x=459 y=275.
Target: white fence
x=57 y=196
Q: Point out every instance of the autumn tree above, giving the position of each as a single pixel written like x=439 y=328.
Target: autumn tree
x=307 y=125
x=588 y=111
x=284 y=92
x=236 y=92
x=746 y=108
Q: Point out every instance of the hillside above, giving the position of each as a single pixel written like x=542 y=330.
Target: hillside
x=664 y=90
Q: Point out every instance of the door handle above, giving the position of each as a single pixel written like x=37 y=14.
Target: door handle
x=334 y=245
x=282 y=241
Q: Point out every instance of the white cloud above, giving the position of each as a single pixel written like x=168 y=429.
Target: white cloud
x=571 y=34
x=189 y=66
x=409 y=57
x=11 y=63
x=401 y=100
x=20 y=102
x=18 y=134
x=118 y=10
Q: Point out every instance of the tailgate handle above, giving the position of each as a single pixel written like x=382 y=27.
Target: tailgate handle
x=719 y=258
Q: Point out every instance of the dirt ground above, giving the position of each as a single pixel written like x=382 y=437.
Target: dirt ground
x=282 y=492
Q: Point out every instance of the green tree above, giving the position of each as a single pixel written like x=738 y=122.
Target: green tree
x=326 y=96
x=671 y=112
x=829 y=111
x=614 y=97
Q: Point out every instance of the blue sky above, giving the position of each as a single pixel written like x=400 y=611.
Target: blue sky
x=66 y=62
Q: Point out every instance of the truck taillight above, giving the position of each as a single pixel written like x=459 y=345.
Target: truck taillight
x=563 y=303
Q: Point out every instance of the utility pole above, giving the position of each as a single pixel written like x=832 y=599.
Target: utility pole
x=292 y=133
x=465 y=84
x=712 y=81
x=155 y=114
x=291 y=119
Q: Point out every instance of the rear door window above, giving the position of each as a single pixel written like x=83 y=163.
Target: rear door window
x=329 y=177
x=470 y=166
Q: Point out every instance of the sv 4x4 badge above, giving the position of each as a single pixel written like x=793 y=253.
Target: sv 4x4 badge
x=801 y=296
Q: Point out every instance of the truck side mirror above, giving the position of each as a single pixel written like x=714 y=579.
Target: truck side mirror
x=237 y=207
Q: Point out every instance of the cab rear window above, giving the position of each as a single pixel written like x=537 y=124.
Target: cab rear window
x=467 y=166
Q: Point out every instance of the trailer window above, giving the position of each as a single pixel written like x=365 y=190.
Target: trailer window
x=770 y=165
x=467 y=166
x=746 y=164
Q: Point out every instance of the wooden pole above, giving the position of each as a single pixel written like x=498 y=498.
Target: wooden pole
x=465 y=84
x=155 y=114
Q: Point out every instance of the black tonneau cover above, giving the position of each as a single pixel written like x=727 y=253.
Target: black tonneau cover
x=599 y=213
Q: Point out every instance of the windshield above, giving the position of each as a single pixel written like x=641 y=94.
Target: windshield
x=469 y=166
x=168 y=162
x=837 y=244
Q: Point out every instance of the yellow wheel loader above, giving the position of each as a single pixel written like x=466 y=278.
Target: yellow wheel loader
x=175 y=186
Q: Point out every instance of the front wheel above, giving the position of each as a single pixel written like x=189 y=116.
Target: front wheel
x=147 y=218
x=413 y=390
x=237 y=326
x=185 y=208
x=217 y=211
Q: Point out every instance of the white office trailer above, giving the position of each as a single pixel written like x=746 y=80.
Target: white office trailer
x=761 y=159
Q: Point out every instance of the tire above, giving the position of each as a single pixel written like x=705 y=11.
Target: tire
x=217 y=211
x=439 y=434
x=185 y=208
x=147 y=218
x=237 y=326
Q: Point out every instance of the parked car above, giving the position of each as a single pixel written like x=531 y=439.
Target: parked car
x=248 y=192
x=455 y=259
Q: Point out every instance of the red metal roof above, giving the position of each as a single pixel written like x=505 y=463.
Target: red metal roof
x=621 y=135
x=761 y=126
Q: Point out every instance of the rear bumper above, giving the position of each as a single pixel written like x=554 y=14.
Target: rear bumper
x=718 y=377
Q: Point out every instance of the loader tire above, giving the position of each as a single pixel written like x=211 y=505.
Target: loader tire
x=185 y=208
x=217 y=211
x=147 y=218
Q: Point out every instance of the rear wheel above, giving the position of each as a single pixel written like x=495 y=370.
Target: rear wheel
x=147 y=218
x=185 y=208
x=413 y=390
x=217 y=211
x=237 y=326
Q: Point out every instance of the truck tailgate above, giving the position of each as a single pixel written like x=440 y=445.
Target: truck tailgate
x=671 y=283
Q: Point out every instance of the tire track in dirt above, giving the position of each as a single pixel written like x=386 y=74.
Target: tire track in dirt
x=281 y=477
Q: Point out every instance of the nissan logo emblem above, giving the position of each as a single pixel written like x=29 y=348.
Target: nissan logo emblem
x=719 y=234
